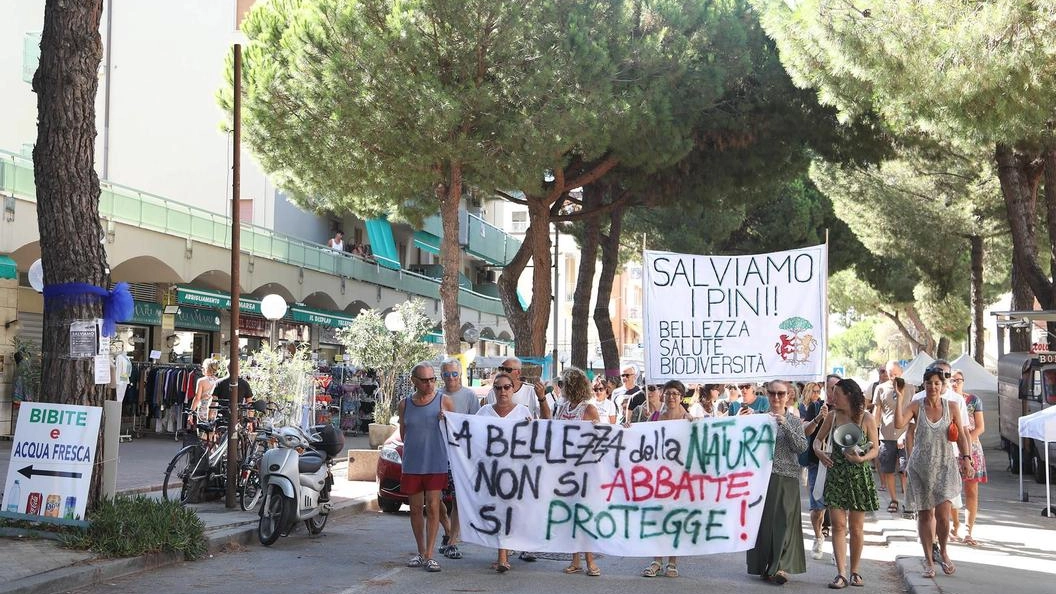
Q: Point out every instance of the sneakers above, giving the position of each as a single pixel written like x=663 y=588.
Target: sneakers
x=819 y=544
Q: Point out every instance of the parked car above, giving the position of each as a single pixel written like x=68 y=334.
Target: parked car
x=390 y=471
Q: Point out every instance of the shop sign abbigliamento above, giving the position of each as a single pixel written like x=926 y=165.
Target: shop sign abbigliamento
x=51 y=460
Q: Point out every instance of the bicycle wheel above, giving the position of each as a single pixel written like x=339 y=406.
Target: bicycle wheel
x=174 y=486
x=249 y=492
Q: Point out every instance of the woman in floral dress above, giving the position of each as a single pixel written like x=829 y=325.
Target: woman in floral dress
x=976 y=426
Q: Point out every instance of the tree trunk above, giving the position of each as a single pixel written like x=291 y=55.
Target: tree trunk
x=1019 y=339
x=542 y=275
x=516 y=315
x=942 y=349
x=67 y=187
x=585 y=281
x=610 y=261
x=1049 y=164
x=451 y=260
x=925 y=336
x=1018 y=174
x=978 y=304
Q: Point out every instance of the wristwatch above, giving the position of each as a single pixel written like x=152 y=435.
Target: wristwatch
x=966 y=457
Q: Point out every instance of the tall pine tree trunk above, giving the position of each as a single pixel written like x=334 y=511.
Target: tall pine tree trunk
x=1019 y=339
x=610 y=261
x=588 y=261
x=451 y=260
x=67 y=187
x=1018 y=173
x=529 y=326
x=978 y=304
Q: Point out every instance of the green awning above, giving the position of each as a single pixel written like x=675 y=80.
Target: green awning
x=433 y=337
x=382 y=244
x=520 y=299
x=427 y=242
x=215 y=299
x=310 y=315
x=8 y=268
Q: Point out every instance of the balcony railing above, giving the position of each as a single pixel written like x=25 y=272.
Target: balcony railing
x=483 y=240
x=150 y=211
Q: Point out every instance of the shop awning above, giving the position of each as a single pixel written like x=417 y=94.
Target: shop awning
x=427 y=242
x=634 y=325
x=310 y=315
x=8 y=268
x=215 y=299
x=382 y=244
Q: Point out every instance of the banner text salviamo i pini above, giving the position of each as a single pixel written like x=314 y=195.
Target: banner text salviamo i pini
x=716 y=318
x=660 y=488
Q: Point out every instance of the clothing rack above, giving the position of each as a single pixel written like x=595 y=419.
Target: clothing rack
x=157 y=400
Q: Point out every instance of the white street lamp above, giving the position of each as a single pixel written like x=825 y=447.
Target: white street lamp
x=274 y=308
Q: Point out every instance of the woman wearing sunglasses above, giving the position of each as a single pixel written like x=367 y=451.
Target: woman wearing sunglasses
x=648 y=410
x=606 y=407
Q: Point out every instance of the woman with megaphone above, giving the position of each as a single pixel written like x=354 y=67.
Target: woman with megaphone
x=932 y=475
x=849 y=487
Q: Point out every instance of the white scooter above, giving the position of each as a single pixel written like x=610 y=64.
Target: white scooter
x=296 y=481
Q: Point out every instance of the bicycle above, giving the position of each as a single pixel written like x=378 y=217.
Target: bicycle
x=202 y=466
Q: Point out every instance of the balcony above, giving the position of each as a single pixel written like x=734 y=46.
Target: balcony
x=481 y=239
x=149 y=211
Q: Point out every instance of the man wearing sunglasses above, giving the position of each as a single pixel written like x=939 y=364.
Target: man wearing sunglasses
x=531 y=396
x=465 y=401
x=629 y=395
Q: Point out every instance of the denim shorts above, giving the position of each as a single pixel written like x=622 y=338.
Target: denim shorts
x=812 y=477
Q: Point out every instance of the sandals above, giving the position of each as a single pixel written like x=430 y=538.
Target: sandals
x=968 y=540
x=573 y=569
x=928 y=572
x=432 y=565
x=593 y=571
x=781 y=578
x=892 y=508
x=502 y=567
x=856 y=580
x=653 y=570
x=838 y=583
x=948 y=567
x=416 y=561
x=452 y=552
x=671 y=570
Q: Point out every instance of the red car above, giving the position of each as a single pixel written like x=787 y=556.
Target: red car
x=390 y=471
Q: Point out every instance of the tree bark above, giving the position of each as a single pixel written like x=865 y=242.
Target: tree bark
x=66 y=82
x=516 y=315
x=542 y=275
x=1049 y=165
x=1019 y=339
x=1018 y=173
x=610 y=260
x=588 y=261
x=978 y=304
x=451 y=260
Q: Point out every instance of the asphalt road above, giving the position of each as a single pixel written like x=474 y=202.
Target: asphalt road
x=367 y=552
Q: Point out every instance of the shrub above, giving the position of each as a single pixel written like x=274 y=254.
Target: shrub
x=134 y=526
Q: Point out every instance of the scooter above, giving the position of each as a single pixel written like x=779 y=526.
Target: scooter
x=296 y=480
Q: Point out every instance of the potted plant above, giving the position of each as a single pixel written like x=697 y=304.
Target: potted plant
x=390 y=345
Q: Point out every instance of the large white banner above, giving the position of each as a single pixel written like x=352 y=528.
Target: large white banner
x=661 y=488
x=710 y=319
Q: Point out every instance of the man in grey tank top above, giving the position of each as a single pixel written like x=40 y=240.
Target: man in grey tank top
x=424 y=460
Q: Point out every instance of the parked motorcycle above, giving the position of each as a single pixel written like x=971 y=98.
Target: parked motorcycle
x=296 y=480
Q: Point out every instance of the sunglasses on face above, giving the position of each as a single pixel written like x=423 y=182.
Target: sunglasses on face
x=673 y=394
x=599 y=389
x=957 y=380
x=448 y=374
x=626 y=375
x=508 y=369
x=745 y=386
x=502 y=387
x=654 y=388
x=426 y=379
x=776 y=393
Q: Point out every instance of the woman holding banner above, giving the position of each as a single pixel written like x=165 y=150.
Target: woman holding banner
x=849 y=487
x=778 y=547
x=504 y=407
x=674 y=391
x=578 y=406
x=603 y=401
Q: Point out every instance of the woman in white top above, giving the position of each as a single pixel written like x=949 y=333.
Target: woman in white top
x=203 y=392
x=504 y=407
x=579 y=406
x=602 y=401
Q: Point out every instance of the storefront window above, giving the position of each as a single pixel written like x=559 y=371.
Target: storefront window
x=134 y=341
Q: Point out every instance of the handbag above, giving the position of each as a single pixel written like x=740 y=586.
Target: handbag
x=952 y=433
x=823 y=471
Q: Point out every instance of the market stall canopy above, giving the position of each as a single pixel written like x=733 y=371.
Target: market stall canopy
x=1040 y=425
x=976 y=377
x=914 y=372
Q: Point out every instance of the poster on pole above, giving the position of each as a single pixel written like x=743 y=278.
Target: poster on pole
x=52 y=458
x=659 y=488
x=710 y=319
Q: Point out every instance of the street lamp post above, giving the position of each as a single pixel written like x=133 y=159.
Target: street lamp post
x=274 y=308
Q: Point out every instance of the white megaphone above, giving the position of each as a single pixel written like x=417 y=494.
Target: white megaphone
x=848 y=435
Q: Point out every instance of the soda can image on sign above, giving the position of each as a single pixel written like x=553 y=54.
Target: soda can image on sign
x=70 y=509
x=51 y=507
x=33 y=505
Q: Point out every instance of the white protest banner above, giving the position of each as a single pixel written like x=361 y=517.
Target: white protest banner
x=710 y=319
x=51 y=460
x=660 y=488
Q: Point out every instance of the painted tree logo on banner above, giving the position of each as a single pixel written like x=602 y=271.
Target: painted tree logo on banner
x=795 y=347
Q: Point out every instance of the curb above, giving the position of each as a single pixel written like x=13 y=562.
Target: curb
x=95 y=571
x=909 y=568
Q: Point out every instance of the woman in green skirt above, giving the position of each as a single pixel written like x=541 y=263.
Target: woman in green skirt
x=849 y=487
x=778 y=547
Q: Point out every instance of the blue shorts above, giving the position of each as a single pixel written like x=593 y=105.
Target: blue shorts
x=812 y=477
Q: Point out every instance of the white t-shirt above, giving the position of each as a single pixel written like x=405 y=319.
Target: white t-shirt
x=525 y=396
x=605 y=408
x=696 y=411
x=519 y=412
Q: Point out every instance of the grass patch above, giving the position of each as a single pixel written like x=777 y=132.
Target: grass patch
x=130 y=526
